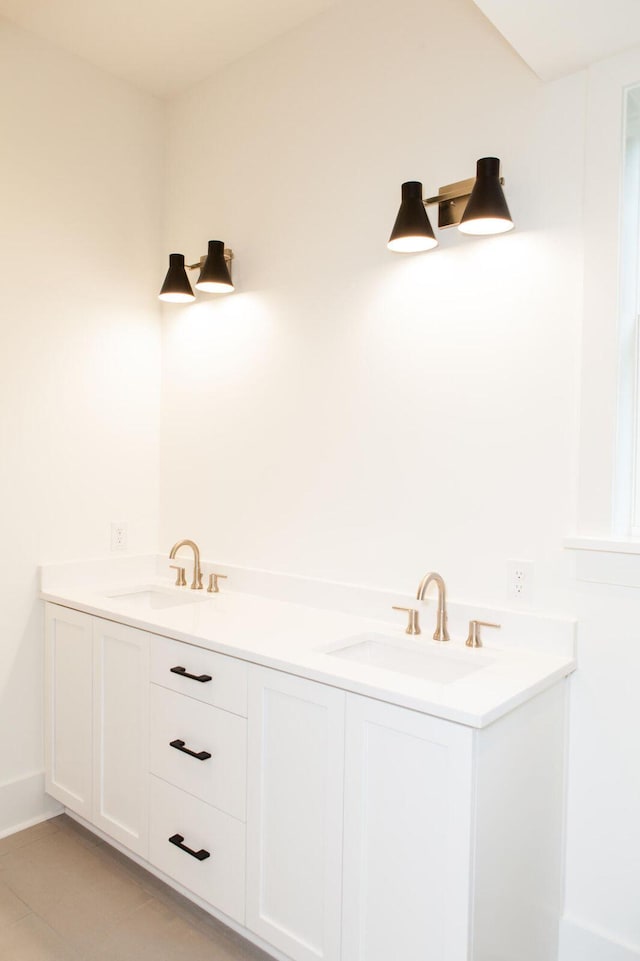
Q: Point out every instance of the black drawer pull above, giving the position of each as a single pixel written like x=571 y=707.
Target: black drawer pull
x=199 y=755
x=178 y=840
x=182 y=671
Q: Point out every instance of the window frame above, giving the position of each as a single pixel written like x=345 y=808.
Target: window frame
x=607 y=444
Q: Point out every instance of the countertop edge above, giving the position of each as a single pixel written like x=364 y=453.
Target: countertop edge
x=441 y=711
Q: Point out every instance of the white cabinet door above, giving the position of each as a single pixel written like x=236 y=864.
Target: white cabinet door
x=407 y=835
x=294 y=814
x=121 y=733
x=68 y=708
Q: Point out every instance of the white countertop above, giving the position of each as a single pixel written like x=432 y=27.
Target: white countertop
x=298 y=639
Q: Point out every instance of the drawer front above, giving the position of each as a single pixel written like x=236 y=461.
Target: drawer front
x=204 y=675
x=217 y=878
x=221 y=779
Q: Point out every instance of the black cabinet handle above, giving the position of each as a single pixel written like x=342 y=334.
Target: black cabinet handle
x=182 y=671
x=199 y=755
x=178 y=840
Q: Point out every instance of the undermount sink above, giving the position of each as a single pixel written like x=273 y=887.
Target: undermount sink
x=155 y=598
x=415 y=658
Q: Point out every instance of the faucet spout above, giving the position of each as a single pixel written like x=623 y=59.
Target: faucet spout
x=196 y=583
x=441 y=633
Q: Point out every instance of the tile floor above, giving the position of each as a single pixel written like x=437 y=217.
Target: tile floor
x=67 y=896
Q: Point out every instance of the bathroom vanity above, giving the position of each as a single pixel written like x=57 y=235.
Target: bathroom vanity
x=325 y=806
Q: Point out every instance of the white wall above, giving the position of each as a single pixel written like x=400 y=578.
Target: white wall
x=603 y=832
x=81 y=169
x=351 y=413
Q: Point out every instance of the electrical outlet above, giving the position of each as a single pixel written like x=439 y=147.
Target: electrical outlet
x=520 y=581
x=118 y=535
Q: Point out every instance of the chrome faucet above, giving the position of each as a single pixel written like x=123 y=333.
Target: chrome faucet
x=196 y=584
x=441 y=633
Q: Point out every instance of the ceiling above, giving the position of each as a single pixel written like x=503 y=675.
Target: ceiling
x=558 y=37
x=160 y=45
x=164 y=47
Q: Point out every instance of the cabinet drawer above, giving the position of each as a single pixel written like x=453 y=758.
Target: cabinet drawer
x=215 y=678
x=219 y=840
x=220 y=780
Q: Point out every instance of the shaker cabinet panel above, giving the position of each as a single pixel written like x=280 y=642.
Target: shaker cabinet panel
x=68 y=708
x=407 y=835
x=121 y=732
x=294 y=815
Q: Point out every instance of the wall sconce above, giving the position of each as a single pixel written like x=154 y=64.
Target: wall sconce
x=476 y=206
x=215 y=275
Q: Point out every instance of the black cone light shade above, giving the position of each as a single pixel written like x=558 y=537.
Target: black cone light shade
x=176 y=288
x=412 y=231
x=486 y=211
x=215 y=277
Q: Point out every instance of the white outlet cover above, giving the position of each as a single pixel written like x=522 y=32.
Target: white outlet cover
x=118 y=536
x=520 y=580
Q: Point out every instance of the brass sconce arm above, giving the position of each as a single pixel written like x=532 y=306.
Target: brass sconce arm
x=228 y=256
x=452 y=200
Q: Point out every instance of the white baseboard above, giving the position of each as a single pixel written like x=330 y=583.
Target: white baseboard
x=24 y=802
x=580 y=943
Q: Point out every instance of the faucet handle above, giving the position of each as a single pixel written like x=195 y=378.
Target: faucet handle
x=181 y=580
x=413 y=627
x=213 y=582
x=473 y=638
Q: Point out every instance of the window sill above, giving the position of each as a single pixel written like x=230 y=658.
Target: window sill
x=602 y=560
x=618 y=545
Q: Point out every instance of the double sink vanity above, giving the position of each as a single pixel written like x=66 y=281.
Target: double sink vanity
x=324 y=783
